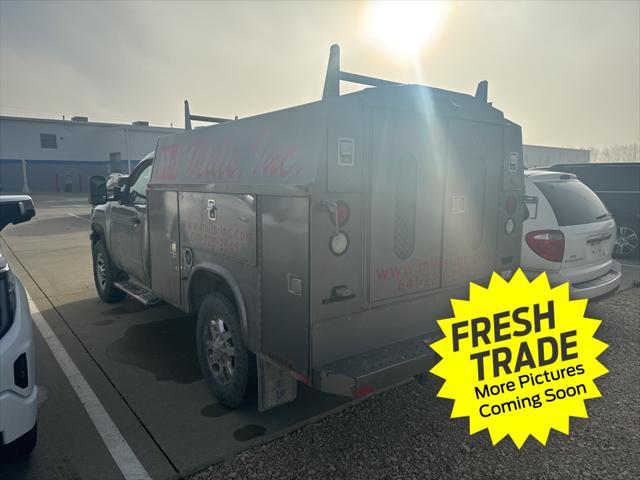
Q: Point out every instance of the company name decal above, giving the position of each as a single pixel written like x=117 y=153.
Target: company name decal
x=213 y=158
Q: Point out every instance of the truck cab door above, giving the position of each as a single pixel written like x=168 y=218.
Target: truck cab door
x=129 y=225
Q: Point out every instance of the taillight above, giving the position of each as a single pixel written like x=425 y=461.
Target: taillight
x=511 y=204
x=549 y=244
x=7 y=297
x=341 y=213
x=21 y=372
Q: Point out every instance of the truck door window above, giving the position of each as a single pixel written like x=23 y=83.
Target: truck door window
x=404 y=224
x=138 y=191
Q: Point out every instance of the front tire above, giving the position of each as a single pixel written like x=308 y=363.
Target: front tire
x=227 y=366
x=104 y=274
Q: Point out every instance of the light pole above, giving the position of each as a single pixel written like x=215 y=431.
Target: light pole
x=25 y=185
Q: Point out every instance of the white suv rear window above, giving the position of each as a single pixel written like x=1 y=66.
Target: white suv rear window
x=573 y=202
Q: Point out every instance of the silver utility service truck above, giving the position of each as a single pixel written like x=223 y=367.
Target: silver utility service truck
x=318 y=243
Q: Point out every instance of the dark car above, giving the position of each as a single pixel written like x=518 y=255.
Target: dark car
x=618 y=186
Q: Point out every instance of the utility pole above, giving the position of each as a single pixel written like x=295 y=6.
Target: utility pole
x=126 y=141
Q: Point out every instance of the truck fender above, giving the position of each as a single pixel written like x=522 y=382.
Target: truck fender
x=225 y=276
x=99 y=227
x=97 y=232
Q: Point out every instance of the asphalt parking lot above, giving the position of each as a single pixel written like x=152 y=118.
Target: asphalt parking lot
x=142 y=366
x=406 y=432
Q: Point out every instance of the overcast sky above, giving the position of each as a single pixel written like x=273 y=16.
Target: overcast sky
x=569 y=73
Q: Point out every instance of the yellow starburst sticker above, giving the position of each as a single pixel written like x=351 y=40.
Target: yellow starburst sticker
x=519 y=358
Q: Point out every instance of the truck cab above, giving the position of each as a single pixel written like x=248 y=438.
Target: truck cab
x=119 y=231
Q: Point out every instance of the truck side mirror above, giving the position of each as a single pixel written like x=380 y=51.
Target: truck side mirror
x=15 y=209
x=97 y=190
x=117 y=194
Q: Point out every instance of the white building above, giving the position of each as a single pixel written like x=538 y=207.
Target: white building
x=539 y=156
x=60 y=155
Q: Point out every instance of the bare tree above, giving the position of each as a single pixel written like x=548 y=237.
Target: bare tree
x=628 y=152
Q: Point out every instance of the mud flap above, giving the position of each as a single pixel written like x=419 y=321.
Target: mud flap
x=276 y=386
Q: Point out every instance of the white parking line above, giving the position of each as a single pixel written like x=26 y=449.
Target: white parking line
x=77 y=216
x=118 y=447
x=67 y=206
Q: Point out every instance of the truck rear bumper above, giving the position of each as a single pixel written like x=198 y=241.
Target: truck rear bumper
x=363 y=374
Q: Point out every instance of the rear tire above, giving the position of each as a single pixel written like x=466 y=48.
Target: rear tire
x=104 y=274
x=227 y=366
x=628 y=238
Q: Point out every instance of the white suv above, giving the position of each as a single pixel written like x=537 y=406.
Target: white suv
x=569 y=234
x=18 y=390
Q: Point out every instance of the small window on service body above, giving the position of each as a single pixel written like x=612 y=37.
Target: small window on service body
x=48 y=140
x=404 y=220
x=346 y=152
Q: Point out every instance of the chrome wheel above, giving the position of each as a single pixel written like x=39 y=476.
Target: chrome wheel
x=220 y=350
x=626 y=241
x=101 y=270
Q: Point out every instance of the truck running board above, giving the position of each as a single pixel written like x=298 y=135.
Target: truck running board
x=139 y=292
x=362 y=374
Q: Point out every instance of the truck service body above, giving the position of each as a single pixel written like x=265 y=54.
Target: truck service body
x=338 y=230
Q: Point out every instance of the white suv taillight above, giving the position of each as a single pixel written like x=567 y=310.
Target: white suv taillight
x=549 y=244
x=7 y=297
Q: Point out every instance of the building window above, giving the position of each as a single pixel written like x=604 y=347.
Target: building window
x=115 y=162
x=48 y=140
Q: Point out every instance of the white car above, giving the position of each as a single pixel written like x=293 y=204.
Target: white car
x=568 y=233
x=18 y=390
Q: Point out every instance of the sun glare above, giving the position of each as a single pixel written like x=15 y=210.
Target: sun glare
x=405 y=27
